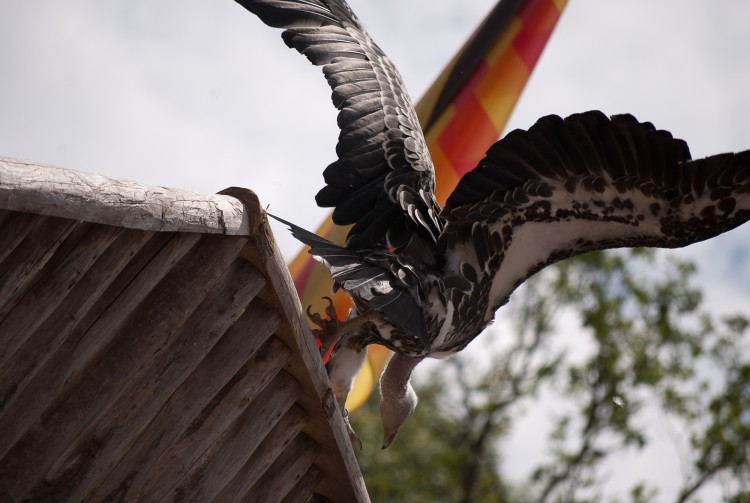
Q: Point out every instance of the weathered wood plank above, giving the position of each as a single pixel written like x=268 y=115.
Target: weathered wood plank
x=235 y=446
x=68 y=385
x=145 y=267
x=67 y=193
x=4 y=214
x=63 y=368
x=286 y=471
x=227 y=367
x=150 y=385
x=265 y=454
x=322 y=414
x=213 y=419
x=302 y=490
x=147 y=330
x=287 y=302
x=250 y=419
x=75 y=256
x=22 y=265
x=89 y=291
x=13 y=230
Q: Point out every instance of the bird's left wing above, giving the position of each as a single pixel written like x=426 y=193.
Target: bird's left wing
x=585 y=183
x=383 y=180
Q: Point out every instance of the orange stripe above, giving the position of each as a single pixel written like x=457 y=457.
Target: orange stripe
x=499 y=92
x=448 y=178
x=466 y=138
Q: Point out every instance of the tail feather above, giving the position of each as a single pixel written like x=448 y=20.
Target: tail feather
x=335 y=257
x=372 y=284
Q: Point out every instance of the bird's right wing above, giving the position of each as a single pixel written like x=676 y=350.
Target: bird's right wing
x=383 y=180
x=587 y=182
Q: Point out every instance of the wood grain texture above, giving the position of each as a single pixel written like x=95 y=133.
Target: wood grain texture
x=96 y=382
x=78 y=252
x=81 y=349
x=67 y=193
x=53 y=331
x=157 y=379
x=236 y=368
x=237 y=444
x=24 y=263
x=300 y=493
x=276 y=441
x=13 y=229
x=286 y=471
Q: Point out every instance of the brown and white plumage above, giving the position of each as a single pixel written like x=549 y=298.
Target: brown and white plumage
x=430 y=280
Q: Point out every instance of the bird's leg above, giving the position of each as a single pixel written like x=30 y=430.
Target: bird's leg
x=342 y=369
x=349 y=355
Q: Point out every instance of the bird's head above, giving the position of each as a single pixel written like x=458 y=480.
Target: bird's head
x=397 y=397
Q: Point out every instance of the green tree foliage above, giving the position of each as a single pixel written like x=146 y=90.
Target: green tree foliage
x=644 y=340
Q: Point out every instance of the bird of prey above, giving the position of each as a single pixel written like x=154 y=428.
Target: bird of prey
x=427 y=280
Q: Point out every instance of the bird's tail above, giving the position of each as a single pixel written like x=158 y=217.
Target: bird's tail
x=320 y=247
x=369 y=282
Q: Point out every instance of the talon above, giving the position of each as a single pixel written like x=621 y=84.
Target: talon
x=315 y=317
x=328 y=329
x=331 y=310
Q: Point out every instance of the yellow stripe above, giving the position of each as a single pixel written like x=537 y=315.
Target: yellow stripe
x=501 y=87
x=504 y=41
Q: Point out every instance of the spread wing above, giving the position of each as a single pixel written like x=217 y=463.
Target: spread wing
x=383 y=180
x=585 y=183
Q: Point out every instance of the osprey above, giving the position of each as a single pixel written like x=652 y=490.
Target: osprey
x=426 y=280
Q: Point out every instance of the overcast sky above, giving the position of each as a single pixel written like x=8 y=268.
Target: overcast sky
x=199 y=95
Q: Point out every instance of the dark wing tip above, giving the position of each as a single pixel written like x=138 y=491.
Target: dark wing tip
x=290 y=13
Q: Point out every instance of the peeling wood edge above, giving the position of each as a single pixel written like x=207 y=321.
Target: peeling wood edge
x=59 y=192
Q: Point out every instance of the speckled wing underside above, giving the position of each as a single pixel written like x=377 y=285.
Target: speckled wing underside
x=585 y=183
x=383 y=180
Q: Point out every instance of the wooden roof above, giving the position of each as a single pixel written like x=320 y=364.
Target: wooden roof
x=152 y=346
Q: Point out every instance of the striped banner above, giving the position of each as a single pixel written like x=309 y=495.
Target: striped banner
x=462 y=114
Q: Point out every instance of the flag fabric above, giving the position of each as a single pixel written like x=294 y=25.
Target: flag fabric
x=462 y=114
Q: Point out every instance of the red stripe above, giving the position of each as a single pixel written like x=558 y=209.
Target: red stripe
x=538 y=18
x=470 y=131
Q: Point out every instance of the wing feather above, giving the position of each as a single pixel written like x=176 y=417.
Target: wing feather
x=381 y=147
x=587 y=182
